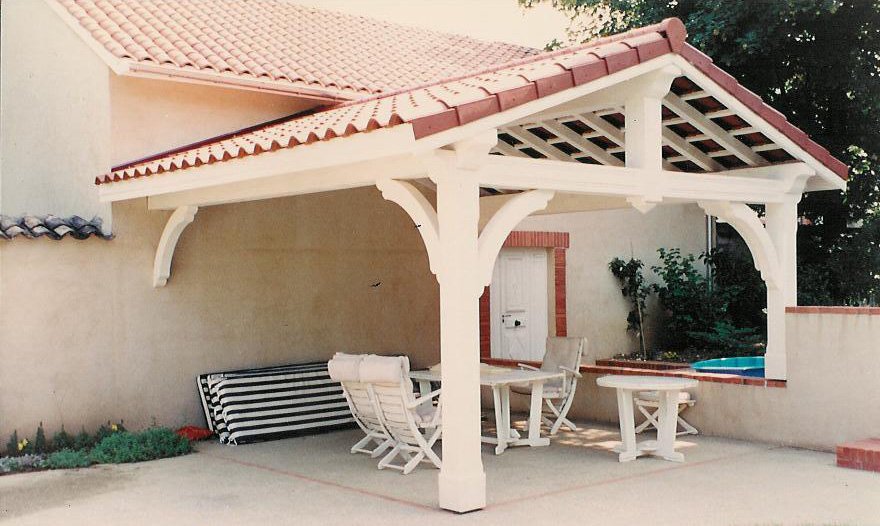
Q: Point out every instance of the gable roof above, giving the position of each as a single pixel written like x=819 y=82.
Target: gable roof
x=277 y=45
x=447 y=104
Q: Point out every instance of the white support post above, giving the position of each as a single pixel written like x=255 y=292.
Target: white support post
x=781 y=219
x=179 y=220
x=462 y=482
x=644 y=131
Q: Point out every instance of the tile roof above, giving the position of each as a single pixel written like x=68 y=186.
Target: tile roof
x=446 y=104
x=291 y=47
x=51 y=226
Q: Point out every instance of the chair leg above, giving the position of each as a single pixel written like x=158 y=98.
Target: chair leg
x=359 y=446
x=561 y=415
x=688 y=429
x=386 y=460
x=382 y=447
x=650 y=419
x=413 y=462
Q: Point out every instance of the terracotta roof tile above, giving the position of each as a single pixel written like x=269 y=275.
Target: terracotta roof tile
x=51 y=226
x=287 y=45
x=446 y=104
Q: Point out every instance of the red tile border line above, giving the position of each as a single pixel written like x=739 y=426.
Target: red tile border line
x=865 y=311
x=679 y=373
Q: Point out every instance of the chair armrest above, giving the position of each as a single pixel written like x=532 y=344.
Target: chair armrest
x=424 y=398
x=576 y=374
x=527 y=367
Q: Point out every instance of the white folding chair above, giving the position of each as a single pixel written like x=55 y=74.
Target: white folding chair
x=648 y=403
x=562 y=354
x=345 y=369
x=414 y=423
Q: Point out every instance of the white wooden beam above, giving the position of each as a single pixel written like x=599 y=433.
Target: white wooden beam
x=502 y=223
x=416 y=205
x=690 y=151
x=593 y=150
x=354 y=175
x=179 y=220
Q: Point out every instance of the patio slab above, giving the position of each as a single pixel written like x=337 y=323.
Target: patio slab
x=311 y=480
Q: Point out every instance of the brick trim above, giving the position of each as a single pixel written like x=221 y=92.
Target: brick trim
x=559 y=242
x=869 y=311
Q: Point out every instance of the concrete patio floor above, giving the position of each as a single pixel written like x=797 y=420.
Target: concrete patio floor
x=313 y=480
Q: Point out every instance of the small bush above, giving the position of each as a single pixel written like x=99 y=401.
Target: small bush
x=83 y=440
x=21 y=463
x=62 y=440
x=12 y=445
x=40 y=444
x=67 y=459
x=153 y=443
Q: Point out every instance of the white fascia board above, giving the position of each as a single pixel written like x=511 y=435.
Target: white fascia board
x=504 y=118
x=832 y=180
x=377 y=144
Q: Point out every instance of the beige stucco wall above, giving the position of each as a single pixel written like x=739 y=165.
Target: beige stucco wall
x=151 y=116
x=54 y=119
x=831 y=394
x=84 y=337
x=596 y=308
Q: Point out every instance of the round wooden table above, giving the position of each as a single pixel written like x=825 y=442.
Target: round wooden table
x=668 y=389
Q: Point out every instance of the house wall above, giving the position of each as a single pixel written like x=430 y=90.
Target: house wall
x=151 y=116
x=596 y=308
x=830 y=397
x=84 y=337
x=55 y=127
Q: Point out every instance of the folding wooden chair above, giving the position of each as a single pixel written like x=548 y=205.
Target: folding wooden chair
x=648 y=403
x=414 y=423
x=345 y=369
x=562 y=354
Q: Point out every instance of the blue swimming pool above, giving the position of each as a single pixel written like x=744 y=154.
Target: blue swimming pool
x=742 y=366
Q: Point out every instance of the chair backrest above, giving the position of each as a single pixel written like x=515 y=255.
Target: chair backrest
x=566 y=352
x=345 y=369
x=388 y=377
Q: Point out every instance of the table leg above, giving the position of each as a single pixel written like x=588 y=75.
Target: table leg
x=535 y=416
x=667 y=422
x=627 y=426
x=502 y=427
x=505 y=401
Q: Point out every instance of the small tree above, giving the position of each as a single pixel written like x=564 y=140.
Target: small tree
x=629 y=273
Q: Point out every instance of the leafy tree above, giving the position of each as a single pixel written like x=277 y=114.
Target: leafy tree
x=629 y=273
x=816 y=61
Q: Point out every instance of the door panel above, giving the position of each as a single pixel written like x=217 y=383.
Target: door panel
x=518 y=304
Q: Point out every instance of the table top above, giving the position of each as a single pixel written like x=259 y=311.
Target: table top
x=494 y=376
x=646 y=383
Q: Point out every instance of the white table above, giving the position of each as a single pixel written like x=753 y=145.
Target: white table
x=668 y=389
x=500 y=379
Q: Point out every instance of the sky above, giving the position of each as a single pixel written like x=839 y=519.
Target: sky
x=501 y=20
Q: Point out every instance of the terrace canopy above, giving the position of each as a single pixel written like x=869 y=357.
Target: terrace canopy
x=640 y=119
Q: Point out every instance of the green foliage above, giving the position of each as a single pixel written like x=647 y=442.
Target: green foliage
x=83 y=440
x=12 y=445
x=40 y=444
x=629 y=273
x=68 y=458
x=153 y=443
x=62 y=440
x=816 y=61
x=727 y=340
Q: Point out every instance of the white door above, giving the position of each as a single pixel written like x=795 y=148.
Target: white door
x=518 y=304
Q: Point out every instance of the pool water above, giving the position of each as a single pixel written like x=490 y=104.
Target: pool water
x=742 y=366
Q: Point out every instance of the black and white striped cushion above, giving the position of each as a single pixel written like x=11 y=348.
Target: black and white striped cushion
x=274 y=402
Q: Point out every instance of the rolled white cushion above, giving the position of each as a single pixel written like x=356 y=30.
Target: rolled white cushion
x=345 y=367
x=384 y=369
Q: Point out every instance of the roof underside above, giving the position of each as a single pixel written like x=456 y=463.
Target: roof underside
x=700 y=133
x=287 y=46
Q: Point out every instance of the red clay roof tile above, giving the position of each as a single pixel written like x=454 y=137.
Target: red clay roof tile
x=446 y=104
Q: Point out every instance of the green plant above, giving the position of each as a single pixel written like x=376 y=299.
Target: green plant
x=67 y=459
x=153 y=443
x=83 y=440
x=40 y=444
x=12 y=445
x=629 y=273
x=724 y=339
x=62 y=440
